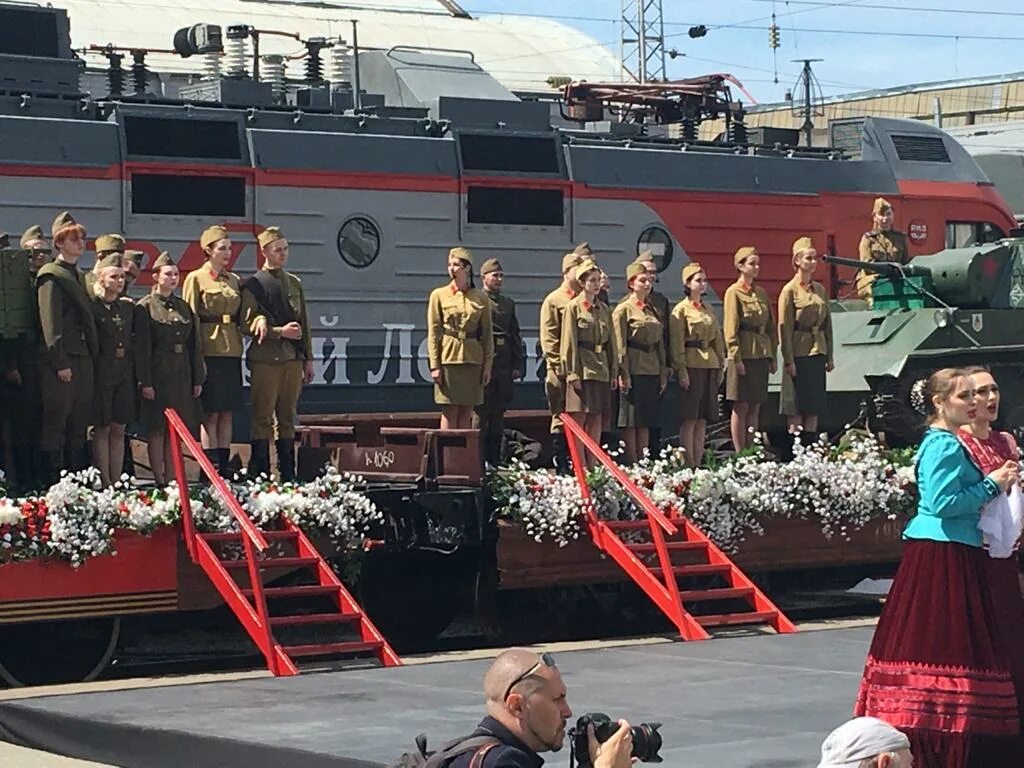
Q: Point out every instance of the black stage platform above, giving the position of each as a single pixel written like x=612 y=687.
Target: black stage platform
x=736 y=702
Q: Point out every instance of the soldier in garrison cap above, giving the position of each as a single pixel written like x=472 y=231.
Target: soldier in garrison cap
x=460 y=342
x=68 y=347
x=589 y=354
x=698 y=356
x=552 y=310
x=882 y=243
x=280 y=357
x=805 y=335
x=640 y=342
x=132 y=261
x=104 y=245
x=751 y=340
x=584 y=249
x=509 y=361
x=115 y=383
x=168 y=364
x=215 y=295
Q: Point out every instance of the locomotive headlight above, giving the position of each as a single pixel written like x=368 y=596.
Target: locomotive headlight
x=943 y=317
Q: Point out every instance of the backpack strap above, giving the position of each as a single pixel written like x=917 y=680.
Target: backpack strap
x=478 y=757
x=453 y=749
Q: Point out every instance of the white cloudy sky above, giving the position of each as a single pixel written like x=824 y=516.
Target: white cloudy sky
x=864 y=43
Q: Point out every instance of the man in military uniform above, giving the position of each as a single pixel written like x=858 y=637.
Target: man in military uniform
x=509 y=362
x=132 y=261
x=280 y=356
x=882 y=243
x=68 y=347
x=552 y=309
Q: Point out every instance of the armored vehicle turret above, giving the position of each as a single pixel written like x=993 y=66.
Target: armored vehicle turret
x=957 y=307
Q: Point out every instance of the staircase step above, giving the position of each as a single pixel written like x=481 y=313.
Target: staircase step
x=313 y=618
x=729 y=619
x=236 y=536
x=672 y=546
x=699 y=595
x=307 y=590
x=273 y=562
x=328 y=649
x=704 y=569
x=628 y=525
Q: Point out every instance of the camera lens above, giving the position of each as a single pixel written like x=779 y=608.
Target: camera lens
x=646 y=742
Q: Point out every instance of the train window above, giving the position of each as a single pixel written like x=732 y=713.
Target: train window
x=514 y=205
x=659 y=243
x=179 y=137
x=525 y=154
x=359 y=242
x=184 y=195
x=964 y=234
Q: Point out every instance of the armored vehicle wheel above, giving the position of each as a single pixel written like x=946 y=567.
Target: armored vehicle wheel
x=42 y=653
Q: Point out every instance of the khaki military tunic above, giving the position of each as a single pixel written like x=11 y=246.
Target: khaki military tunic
x=460 y=342
x=662 y=308
x=168 y=357
x=805 y=332
x=639 y=339
x=696 y=338
x=890 y=246
x=552 y=312
x=115 y=380
x=748 y=325
x=216 y=300
x=588 y=348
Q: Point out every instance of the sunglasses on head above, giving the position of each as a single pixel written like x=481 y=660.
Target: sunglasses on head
x=546 y=659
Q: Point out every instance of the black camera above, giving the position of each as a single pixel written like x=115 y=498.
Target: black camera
x=646 y=739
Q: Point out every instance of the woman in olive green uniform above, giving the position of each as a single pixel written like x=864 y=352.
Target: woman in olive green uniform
x=114 y=389
x=589 y=354
x=215 y=296
x=640 y=342
x=460 y=342
x=698 y=356
x=169 y=363
x=805 y=333
x=751 y=341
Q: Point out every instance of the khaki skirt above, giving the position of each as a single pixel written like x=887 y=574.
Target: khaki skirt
x=461 y=384
x=593 y=398
x=751 y=388
x=640 y=407
x=804 y=395
x=700 y=400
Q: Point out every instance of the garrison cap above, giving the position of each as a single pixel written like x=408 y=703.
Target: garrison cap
x=270 y=235
x=802 y=244
x=64 y=219
x=743 y=254
x=110 y=260
x=35 y=232
x=464 y=254
x=881 y=206
x=690 y=270
x=587 y=265
x=107 y=243
x=134 y=257
x=634 y=270
x=5 y=240
x=644 y=256
x=491 y=265
x=583 y=249
x=212 y=234
x=164 y=260
x=571 y=261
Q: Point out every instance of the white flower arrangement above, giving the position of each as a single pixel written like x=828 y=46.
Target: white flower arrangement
x=841 y=488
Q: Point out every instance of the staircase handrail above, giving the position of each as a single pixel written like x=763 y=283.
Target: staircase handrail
x=615 y=470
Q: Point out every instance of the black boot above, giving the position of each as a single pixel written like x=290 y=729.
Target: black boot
x=223 y=463
x=79 y=458
x=24 y=474
x=128 y=464
x=211 y=454
x=259 y=458
x=560 y=448
x=51 y=463
x=286 y=459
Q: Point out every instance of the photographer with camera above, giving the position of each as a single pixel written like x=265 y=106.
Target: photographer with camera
x=527 y=712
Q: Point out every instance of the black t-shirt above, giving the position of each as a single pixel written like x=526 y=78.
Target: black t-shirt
x=511 y=753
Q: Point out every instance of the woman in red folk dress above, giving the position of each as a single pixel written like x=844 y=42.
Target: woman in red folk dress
x=939 y=667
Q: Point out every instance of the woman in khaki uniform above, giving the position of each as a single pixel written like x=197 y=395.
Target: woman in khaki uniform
x=215 y=296
x=640 y=342
x=590 y=358
x=805 y=333
x=114 y=388
x=460 y=342
x=751 y=341
x=698 y=356
x=168 y=362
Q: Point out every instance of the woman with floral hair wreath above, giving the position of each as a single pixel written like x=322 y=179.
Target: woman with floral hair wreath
x=940 y=667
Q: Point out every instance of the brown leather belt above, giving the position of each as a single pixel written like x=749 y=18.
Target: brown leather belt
x=595 y=348
x=641 y=346
x=696 y=344
x=462 y=335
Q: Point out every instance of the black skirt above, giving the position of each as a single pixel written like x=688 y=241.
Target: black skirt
x=222 y=390
x=640 y=407
x=805 y=394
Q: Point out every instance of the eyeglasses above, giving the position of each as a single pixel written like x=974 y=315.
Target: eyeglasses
x=546 y=659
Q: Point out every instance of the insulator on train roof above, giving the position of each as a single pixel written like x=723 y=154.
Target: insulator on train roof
x=272 y=71
x=737 y=128
x=340 y=68
x=688 y=129
x=140 y=72
x=115 y=75
x=236 y=50
x=211 y=66
x=314 y=64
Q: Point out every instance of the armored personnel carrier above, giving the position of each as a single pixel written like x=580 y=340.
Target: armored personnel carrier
x=957 y=307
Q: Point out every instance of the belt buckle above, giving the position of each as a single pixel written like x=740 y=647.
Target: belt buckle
x=178 y=348
x=499 y=342
x=119 y=353
x=597 y=349
x=226 y=319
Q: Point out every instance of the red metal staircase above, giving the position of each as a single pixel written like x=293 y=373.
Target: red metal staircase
x=708 y=576
x=250 y=602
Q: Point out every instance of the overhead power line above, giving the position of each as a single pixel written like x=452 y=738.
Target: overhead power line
x=819 y=5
